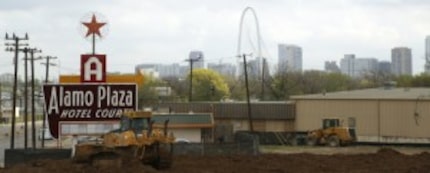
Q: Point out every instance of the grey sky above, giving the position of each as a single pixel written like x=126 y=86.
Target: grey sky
x=143 y=31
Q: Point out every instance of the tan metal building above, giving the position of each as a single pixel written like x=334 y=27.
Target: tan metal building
x=388 y=115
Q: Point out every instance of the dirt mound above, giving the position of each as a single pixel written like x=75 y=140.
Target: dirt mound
x=385 y=160
x=71 y=167
x=388 y=152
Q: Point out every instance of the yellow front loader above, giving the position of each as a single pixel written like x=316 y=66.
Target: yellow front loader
x=136 y=138
x=332 y=134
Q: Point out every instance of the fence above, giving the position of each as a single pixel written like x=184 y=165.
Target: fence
x=245 y=143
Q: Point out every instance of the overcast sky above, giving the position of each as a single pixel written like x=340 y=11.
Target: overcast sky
x=165 y=31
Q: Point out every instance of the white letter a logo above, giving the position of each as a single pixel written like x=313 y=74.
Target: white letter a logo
x=98 y=71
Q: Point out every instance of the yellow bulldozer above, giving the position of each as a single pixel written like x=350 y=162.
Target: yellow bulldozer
x=137 y=137
x=332 y=134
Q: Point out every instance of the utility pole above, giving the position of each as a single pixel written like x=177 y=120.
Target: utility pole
x=16 y=45
x=1 y=98
x=26 y=51
x=47 y=64
x=262 y=79
x=191 y=60
x=33 y=126
x=251 y=127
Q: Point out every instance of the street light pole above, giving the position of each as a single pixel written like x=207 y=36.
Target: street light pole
x=16 y=45
x=191 y=60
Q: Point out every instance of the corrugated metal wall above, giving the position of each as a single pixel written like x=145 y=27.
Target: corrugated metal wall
x=398 y=118
x=387 y=118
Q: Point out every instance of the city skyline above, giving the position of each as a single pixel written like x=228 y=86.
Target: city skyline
x=166 y=31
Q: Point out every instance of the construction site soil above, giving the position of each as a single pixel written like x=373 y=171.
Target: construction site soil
x=384 y=160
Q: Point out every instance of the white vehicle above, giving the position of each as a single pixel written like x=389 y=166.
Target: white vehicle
x=182 y=140
x=46 y=133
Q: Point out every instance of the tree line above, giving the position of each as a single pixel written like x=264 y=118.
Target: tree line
x=208 y=85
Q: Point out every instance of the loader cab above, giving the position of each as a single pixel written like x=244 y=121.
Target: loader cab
x=330 y=122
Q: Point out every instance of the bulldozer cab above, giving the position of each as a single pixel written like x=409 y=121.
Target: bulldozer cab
x=136 y=121
x=331 y=122
x=135 y=124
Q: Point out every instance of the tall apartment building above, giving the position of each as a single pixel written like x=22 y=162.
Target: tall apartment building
x=289 y=57
x=365 y=66
x=347 y=64
x=384 y=67
x=427 y=55
x=401 y=61
x=357 y=67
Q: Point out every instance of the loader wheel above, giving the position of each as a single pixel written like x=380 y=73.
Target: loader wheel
x=311 y=141
x=333 y=141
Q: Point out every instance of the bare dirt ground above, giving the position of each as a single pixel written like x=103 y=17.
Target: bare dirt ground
x=274 y=159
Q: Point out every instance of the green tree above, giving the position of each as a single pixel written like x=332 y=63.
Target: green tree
x=208 y=85
x=236 y=87
x=179 y=88
x=422 y=80
x=147 y=93
x=404 y=81
x=284 y=84
x=337 y=82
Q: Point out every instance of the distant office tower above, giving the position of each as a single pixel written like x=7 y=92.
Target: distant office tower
x=224 y=69
x=427 y=55
x=401 y=61
x=384 y=67
x=363 y=66
x=358 y=67
x=148 y=70
x=254 y=68
x=161 y=70
x=289 y=57
x=331 y=66
x=197 y=55
x=347 y=64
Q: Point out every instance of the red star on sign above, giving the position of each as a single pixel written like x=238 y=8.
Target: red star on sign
x=93 y=27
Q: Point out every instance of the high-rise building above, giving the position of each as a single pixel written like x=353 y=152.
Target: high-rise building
x=331 y=66
x=401 y=61
x=347 y=64
x=363 y=66
x=162 y=70
x=357 y=67
x=148 y=70
x=427 y=55
x=289 y=57
x=199 y=59
x=224 y=69
x=384 y=67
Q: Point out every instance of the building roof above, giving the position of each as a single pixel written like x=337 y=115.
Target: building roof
x=284 y=110
x=372 y=94
x=182 y=120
